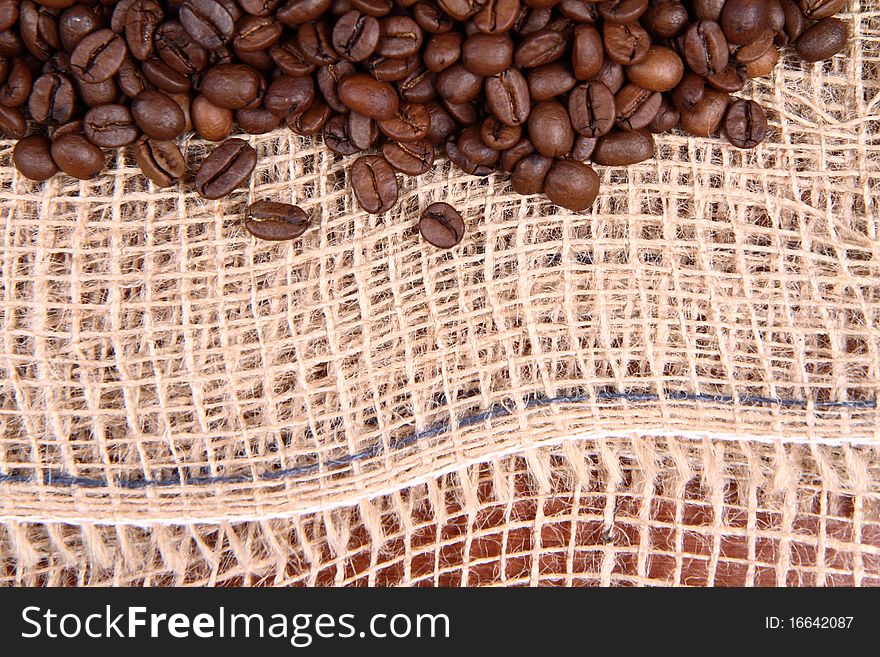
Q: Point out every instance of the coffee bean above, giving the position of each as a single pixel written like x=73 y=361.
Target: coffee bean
x=361 y=130
x=550 y=129
x=571 y=185
x=621 y=148
x=666 y=18
x=110 y=126
x=743 y=20
x=13 y=125
x=335 y=136
x=550 y=80
x=463 y=113
x=622 y=11
x=392 y=69
x=459 y=85
x=755 y=49
x=311 y=121
x=626 y=44
x=233 y=86
x=52 y=99
x=356 y=36
x=38 y=27
x=160 y=161
x=611 y=75
x=141 y=21
x=328 y=78
x=297 y=12
x=666 y=119
x=33 y=158
x=705 y=119
x=420 y=86
x=257 y=121
x=442 y=123
x=289 y=95
x=587 y=52
x=541 y=47
x=211 y=122
x=497 y=135
x=529 y=174
x=227 y=168
x=431 y=18
x=131 y=79
x=822 y=40
x=162 y=76
x=795 y=21
x=511 y=157
x=374 y=183
x=487 y=54
x=98 y=56
x=661 y=70
x=507 y=95
x=474 y=149
x=15 y=89
x=400 y=36
x=441 y=225
x=731 y=79
x=366 y=95
x=270 y=220
x=819 y=9
x=592 y=109
x=9 y=13
x=689 y=92
x=708 y=10
x=443 y=50
x=764 y=65
x=178 y=49
x=257 y=33
x=316 y=43
x=157 y=115
x=705 y=48
x=411 y=123
x=745 y=125
x=77 y=156
x=583 y=148
x=412 y=158
x=210 y=22
x=496 y=16
x=636 y=107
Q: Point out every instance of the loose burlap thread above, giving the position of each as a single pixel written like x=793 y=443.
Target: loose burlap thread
x=678 y=386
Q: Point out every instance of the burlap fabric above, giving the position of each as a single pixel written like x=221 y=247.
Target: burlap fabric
x=678 y=387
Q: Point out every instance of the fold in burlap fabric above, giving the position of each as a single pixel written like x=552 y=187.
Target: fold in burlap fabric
x=679 y=386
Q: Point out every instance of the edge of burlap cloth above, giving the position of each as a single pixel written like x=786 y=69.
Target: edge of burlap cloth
x=159 y=366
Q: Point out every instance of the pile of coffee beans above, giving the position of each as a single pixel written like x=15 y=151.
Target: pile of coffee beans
x=534 y=88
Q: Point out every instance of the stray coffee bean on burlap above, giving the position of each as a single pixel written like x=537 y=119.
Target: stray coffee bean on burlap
x=537 y=89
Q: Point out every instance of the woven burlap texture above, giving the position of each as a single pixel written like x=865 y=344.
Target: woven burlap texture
x=158 y=366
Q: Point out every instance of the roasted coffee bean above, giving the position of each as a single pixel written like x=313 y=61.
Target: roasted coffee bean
x=227 y=168
x=110 y=126
x=211 y=122
x=157 y=115
x=622 y=11
x=400 y=36
x=755 y=49
x=636 y=107
x=297 y=12
x=460 y=10
x=474 y=149
x=666 y=119
x=541 y=47
x=270 y=220
x=705 y=48
x=178 y=49
x=289 y=95
x=52 y=99
x=550 y=80
x=13 y=125
x=459 y=85
x=392 y=69
x=233 y=86
x=38 y=27
x=622 y=148
x=289 y=58
x=550 y=129
x=210 y=22
x=361 y=130
x=611 y=75
x=529 y=174
x=442 y=123
x=412 y=158
x=583 y=148
x=374 y=183
x=17 y=86
x=418 y=87
x=257 y=120
x=328 y=78
x=743 y=20
x=497 y=135
x=260 y=7
x=77 y=156
x=487 y=54
x=571 y=185
x=763 y=65
x=587 y=52
x=795 y=21
x=745 y=125
x=11 y=44
x=443 y=50
x=131 y=79
x=689 y=92
x=705 y=119
x=160 y=161
x=822 y=40
x=626 y=44
x=316 y=43
x=661 y=70
x=441 y=225
x=98 y=56
x=366 y=95
x=578 y=11
x=731 y=79
x=592 y=109
x=463 y=113
x=32 y=157
x=507 y=95
x=708 y=10
x=257 y=33
x=819 y=9
x=335 y=136
x=511 y=156
x=411 y=123
x=666 y=18
x=74 y=127
x=431 y=18
x=141 y=21
x=496 y=16
x=163 y=77
x=9 y=12
x=311 y=121
x=356 y=36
